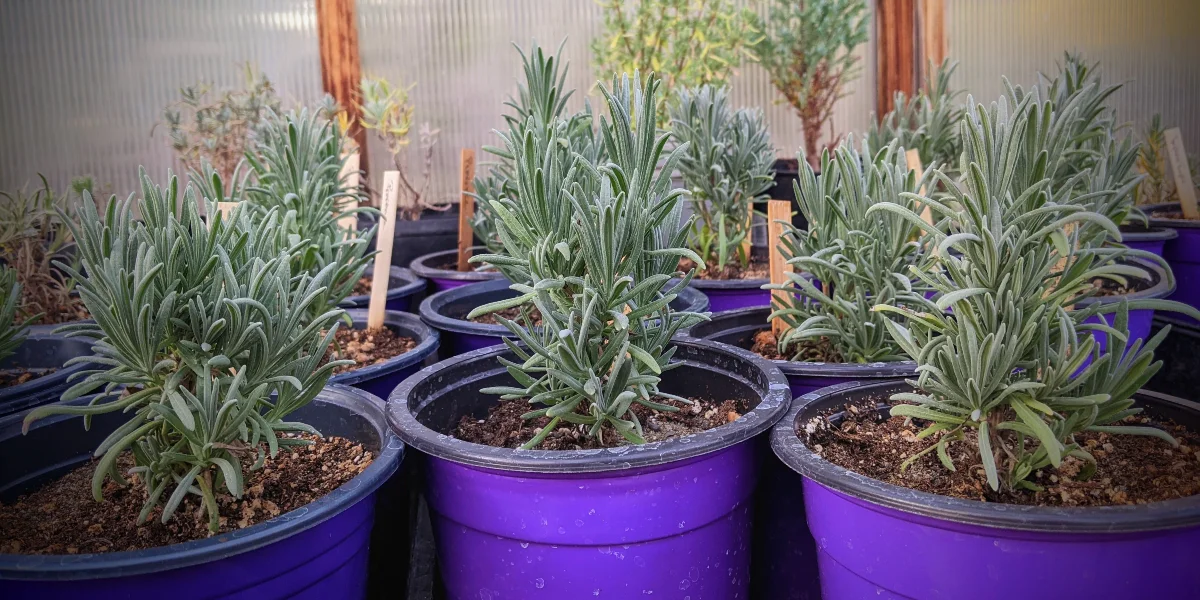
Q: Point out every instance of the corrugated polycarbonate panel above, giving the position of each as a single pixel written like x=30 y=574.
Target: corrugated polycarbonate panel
x=1153 y=45
x=459 y=54
x=83 y=83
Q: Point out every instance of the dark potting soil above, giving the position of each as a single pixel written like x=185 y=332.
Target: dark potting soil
x=63 y=518
x=767 y=346
x=1108 y=287
x=76 y=311
x=1169 y=214
x=757 y=269
x=17 y=377
x=367 y=347
x=512 y=314
x=504 y=427
x=362 y=287
x=1131 y=469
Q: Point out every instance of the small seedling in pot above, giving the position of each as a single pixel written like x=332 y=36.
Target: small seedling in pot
x=726 y=166
x=857 y=256
x=387 y=111
x=596 y=244
x=999 y=352
x=207 y=337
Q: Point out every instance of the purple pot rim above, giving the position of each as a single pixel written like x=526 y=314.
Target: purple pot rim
x=412 y=286
x=774 y=399
x=430 y=308
x=728 y=320
x=1161 y=222
x=1161 y=289
x=420 y=266
x=1154 y=233
x=402 y=323
x=1157 y=516
x=68 y=567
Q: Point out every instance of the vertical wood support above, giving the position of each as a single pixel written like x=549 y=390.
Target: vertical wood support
x=341 y=66
x=384 y=238
x=931 y=30
x=466 y=209
x=778 y=213
x=896 y=42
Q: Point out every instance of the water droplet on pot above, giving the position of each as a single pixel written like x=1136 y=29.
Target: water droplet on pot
x=579 y=522
x=524 y=544
x=685 y=584
x=539 y=583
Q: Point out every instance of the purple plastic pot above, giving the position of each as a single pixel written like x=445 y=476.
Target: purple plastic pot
x=1149 y=239
x=1139 y=319
x=379 y=380
x=44 y=354
x=1182 y=253
x=447 y=311
x=781 y=532
x=428 y=266
x=669 y=518
x=879 y=540
x=319 y=551
x=405 y=291
x=733 y=294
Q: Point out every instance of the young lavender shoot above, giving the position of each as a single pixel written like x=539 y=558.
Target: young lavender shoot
x=727 y=166
x=927 y=122
x=592 y=247
x=861 y=258
x=1001 y=353
x=205 y=337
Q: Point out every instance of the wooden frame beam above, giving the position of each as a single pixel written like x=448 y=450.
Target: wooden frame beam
x=341 y=66
x=896 y=67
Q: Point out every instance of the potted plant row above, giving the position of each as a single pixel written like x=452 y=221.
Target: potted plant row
x=207 y=403
x=1020 y=435
x=588 y=439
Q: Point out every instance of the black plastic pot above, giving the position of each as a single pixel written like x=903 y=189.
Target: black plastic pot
x=627 y=521
x=1151 y=239
x=429 y=267
x=379 y=380
x=433 y=232
x=315 y=552
x=862 y=525
x=447 y=311
x=405 y=291
x=1179 y=375
x=787 y=171
x=39 y=354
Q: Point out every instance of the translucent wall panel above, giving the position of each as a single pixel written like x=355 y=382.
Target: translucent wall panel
x=1153 y=45
x=459 y=54
x=83 y=83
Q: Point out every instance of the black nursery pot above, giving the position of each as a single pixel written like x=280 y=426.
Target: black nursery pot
x=787 y=171
x=433 y=232
x=379 y=380
x=879 y=540
x=405 y=291
x=41 y=354
x=315 y=552
x=447 y=312
x=1179 y=375
x=669 y=518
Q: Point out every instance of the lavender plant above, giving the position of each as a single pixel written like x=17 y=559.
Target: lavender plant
x=927 y=122
x=13 y=329
x=205 y=337
x=296 y=166
x=860 y=257
x=33 y=235
x=1000 y=353
x=596 y=243
x=727 y=166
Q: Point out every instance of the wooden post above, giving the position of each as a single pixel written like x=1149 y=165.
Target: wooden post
x=931 y=25
x=351 y=175
x=778 y=213
x=1184 y=186
x=466 y=208
x=895 y=29
x=383 y=259
x=341 y=66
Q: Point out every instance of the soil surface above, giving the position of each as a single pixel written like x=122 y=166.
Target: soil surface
x=1108 y=287
x=367 y=347
x=63 y=518
x=823 y=350
x=1131 y=469
x=504 y=427
x=452 y=265
x=15 y=377
x=758 y=269
x=1169 y=214
x=362 y=287
x=512 y=314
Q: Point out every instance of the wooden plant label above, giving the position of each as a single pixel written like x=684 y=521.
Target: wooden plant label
x=351 y=176
x=1184 y=186
x=778 y=213
x=748 y=243
x=383 y=259
x=466 y=209
x=226 y=209
x=914 y=163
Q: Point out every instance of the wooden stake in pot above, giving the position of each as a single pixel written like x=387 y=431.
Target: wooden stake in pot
x=778 y=213
x=383 y=259
x=351 y=175
x=1184 y=186
x=914 y=162
x=226 y=209
x=466 y=209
